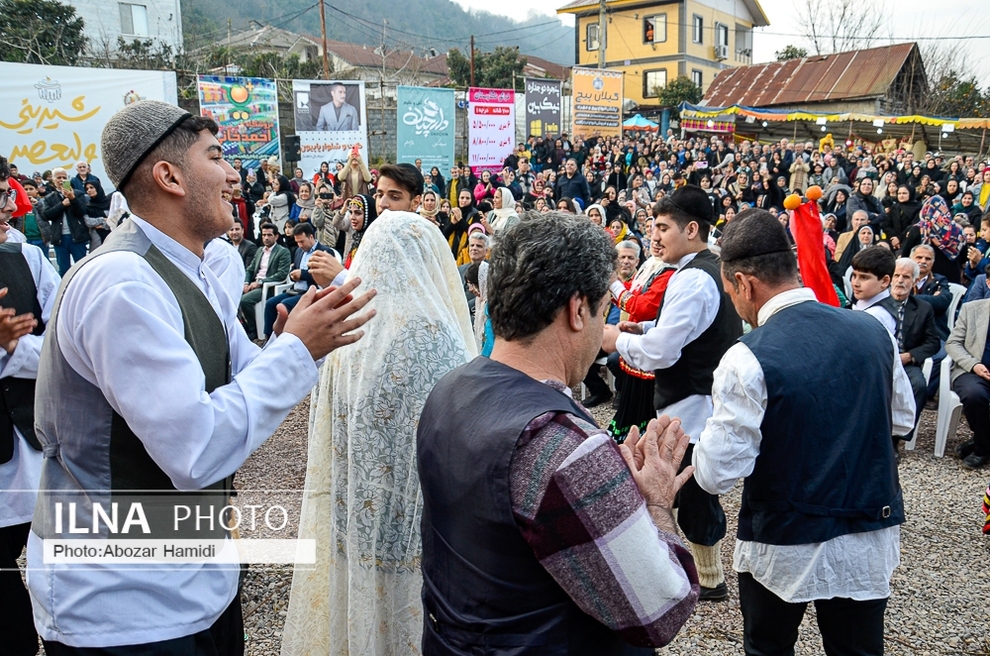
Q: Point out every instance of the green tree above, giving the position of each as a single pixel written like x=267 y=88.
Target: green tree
x=491 y=69
x=40 y=32
x=790 y=52
x=274 y=65
x=680 y=89
x=956 y=97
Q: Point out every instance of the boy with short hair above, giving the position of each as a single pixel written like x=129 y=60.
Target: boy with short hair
x=873 y=269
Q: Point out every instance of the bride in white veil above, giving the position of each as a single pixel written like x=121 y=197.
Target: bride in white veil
x=362 y=502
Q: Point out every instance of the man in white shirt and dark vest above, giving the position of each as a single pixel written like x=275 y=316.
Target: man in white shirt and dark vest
x=148 y=384
x=805 y=415
x=29 y=282
x=695 y=326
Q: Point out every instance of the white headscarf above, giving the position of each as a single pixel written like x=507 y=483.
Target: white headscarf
x=363 y=503
x=505 y=214
x=480 y=304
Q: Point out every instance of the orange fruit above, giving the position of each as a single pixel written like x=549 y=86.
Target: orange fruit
x=792 y=202
x=814 y=192
x=238 y=94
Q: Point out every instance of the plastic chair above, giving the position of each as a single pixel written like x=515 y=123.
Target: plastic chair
x=847 y=283
x=275 y=288
x=949 y=409
x=958 y=292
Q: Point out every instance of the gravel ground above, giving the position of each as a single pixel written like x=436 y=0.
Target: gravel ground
x=938 y=601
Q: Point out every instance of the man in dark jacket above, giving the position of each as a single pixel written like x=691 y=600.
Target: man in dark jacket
x=917 y=337
x=572 y=185
x=64 y=209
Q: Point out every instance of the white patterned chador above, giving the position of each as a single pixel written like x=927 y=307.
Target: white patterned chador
x=363 y=503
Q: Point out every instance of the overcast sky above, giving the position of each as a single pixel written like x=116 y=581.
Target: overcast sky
x=912 y=18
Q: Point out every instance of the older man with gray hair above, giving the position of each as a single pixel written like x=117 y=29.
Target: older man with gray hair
x=477 y=251
x=525 y=498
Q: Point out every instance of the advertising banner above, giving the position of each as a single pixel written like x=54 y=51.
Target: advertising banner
x=542 y=107
x=425 y=127
x=597 y=102
x=491 y=128
x=246 y=108
x=54 y=115
x=330 y=120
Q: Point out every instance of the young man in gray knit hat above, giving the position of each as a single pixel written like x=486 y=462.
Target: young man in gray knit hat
x=151 y=384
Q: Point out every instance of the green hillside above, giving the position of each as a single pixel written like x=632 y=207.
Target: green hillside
x=414 y=24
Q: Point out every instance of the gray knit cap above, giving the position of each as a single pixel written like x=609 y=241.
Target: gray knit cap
x=133 y=132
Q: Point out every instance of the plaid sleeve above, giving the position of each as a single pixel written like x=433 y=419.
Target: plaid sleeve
x=580 y=510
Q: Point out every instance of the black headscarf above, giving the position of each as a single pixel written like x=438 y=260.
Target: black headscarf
x=370 y=214
x=99 y=204
x=285 y=188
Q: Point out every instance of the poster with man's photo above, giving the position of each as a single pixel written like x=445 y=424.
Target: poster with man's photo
x=330 y=119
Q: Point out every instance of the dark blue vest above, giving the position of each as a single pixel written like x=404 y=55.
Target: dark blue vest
x=484 y=591
x=826 y=465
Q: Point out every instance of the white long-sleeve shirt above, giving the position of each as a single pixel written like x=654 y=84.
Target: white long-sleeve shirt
x=869 y=305
x=19 y=476
x=690 y=305
x=855 y=566
x=120 y=327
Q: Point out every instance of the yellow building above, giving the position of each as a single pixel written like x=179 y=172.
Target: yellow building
x=655 y=41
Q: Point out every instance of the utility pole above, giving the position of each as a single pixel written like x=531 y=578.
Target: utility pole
x=323 y=31
x=472 y=60
x=601 y=33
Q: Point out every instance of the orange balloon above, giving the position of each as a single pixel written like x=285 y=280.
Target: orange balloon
x=814 y=192
x=792 y=202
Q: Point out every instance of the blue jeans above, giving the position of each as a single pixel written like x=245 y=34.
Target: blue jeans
x=40 y=243
x=271 y=311
x=66 y=249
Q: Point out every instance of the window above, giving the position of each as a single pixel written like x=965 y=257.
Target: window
x=721 y=35
x=696 y=77
x=655 y=29
x=699 y=28
x=133 y=19
x=653 y=81
x=744 y=43
x=591 y=37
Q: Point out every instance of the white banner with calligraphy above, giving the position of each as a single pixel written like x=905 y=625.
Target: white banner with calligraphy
x=425 y=127
x=491 y=127
x=54 y=115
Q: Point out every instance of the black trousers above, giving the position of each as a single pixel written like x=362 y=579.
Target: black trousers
x=699 y=514
x=770 y=624
x=224 y=638
x=16 y=619
x=974 y=392
x=593 y=380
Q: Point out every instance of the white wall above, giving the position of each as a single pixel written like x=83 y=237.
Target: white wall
x=103 y=21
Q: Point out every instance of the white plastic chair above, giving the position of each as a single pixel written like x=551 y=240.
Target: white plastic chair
x=958 y=291
x=847 y=283
x=275 y=288
x=949 y=409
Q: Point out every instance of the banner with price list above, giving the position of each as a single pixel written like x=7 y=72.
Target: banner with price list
x=425 y=127
x=491 y=127
x=246 y=109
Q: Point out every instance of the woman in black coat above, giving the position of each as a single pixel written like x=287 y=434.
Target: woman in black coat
x=901 y=216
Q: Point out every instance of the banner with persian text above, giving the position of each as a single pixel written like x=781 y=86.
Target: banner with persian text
x=425 y=127
x=542 y=107
x=54 y=115
x=246 y=109
x=331 y=119
x=491 y=127
x=597 y=102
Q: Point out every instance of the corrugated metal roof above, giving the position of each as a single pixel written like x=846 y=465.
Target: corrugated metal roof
x=822 y=78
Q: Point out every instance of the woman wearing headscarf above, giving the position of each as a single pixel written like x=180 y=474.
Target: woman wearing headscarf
x=485 y=187
x=835 y=203
x=305 y=204
x=324 y=175
x=362 y=214
x=537 y=191
x=902 y=215
x=354 y=177
x=596 y=213
x=864 y=238
x=97 y=210
x=362 y=504
x=429 y=207
x=281 y=201
x=461 y=218
x=936 y=228
x=504 y=214
x=640 y=301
